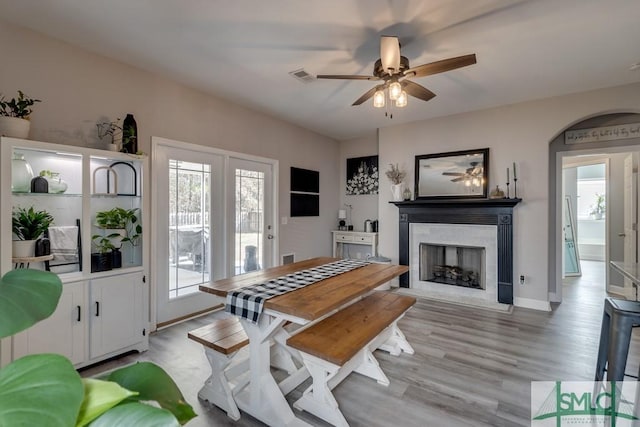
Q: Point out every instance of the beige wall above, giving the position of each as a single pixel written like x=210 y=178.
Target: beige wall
x=364 y=206
x=79 y=89
x=518 y=133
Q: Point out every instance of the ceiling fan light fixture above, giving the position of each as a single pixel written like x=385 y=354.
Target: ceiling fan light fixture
x=402 y=99
x=394 y=90
x=378 y=99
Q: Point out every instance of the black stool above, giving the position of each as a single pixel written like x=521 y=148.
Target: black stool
x=615 y=335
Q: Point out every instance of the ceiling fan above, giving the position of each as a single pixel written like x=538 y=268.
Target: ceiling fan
x=472 y=175
x=394 y=72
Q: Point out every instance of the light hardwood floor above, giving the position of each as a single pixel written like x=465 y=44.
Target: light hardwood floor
x=472 y=367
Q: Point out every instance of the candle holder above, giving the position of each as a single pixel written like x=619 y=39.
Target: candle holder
x=515 y=188
x=507 y=191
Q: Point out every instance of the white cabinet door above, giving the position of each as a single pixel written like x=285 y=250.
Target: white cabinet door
x=63 y=332
x=116 y=313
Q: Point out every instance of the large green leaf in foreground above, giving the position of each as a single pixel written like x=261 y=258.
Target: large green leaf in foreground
x=40 y=390
x=99 y=397
x=26 y=297
x=135 y=414
x=153 y=383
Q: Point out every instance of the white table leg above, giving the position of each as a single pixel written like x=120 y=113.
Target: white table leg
x=263 y=399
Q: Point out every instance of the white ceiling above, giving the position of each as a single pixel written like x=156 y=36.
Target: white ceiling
x=242 y=50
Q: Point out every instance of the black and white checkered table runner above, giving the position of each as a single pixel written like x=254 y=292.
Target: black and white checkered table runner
x=249 y=302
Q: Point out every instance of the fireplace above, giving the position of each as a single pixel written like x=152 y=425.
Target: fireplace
x=466 y=223
x=452 y=265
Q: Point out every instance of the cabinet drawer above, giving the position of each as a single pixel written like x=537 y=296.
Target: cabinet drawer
x=363 y=239
x=344 y=238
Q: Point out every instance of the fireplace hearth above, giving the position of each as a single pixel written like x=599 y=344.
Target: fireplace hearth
x=491 y=212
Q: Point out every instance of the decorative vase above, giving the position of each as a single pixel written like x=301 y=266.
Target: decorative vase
x=116 y=258
x=100 y=262
x=21 y=174
x=14 y=127
x=56 y=185
x=396 y=192
x=23 y=248
x=129 y=135
x=406 y=194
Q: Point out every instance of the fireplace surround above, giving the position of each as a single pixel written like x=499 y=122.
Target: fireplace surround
x=498 y=212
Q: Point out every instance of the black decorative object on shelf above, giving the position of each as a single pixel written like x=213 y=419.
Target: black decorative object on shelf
x=134 y=179
x=129 y=135
x=43 y=247
x=116 y=258
x=39 y=185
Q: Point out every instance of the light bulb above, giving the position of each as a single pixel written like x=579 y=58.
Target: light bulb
x=467 y=183
x=378 y=99
x=401 y=101
x=394 y=91
x=476 y=182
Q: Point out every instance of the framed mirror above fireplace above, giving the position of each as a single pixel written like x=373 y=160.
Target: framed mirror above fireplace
x=456 y=174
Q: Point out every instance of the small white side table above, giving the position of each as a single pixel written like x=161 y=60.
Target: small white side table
x=343 y=238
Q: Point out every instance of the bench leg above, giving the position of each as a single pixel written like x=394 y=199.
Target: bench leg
x=216 y=388
x=397 y=342
x=369 y=367
x=318 y=399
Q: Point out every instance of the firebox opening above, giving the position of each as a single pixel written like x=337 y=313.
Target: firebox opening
x=452 y=265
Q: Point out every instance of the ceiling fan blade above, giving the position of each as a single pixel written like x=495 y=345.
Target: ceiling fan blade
x=441 y=66
x=414 y=89
x=366 y=96
x=453 y=173
x=390 y=54
x=346 y=77
x=462 y=178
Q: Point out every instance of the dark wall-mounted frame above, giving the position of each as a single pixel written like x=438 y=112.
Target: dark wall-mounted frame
x=305 y=192
x=452 y=175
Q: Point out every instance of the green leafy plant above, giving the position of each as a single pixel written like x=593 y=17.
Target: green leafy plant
x=20 y=107
x=46 y=390
x=29 y=224
x=121 y=219
x=598 y=209
x=103 y=244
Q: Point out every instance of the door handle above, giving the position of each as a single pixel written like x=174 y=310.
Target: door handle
x=97 y=308
x=621 y=234
x=79 y=318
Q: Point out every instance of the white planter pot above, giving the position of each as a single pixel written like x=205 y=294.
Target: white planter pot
x=116 y=241
x=14 y=127
x=396 y=192
x=23 y=248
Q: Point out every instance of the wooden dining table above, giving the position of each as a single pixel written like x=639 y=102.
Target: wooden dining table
x=264 y=397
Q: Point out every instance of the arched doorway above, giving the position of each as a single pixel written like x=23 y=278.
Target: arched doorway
x=591 y=153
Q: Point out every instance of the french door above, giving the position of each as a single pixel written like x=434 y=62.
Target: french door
x=187 y=203
x=212 y=218
x=251 y=231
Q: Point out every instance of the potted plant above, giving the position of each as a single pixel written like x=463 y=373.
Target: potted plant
x=598 y=209
x=14 y=115
x=101 y=259
x=46 y=390
x=396 y=176
x=123 y=227
x=28 y=225
x=113 y=132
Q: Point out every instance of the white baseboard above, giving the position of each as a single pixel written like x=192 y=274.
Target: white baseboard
x=533 y=304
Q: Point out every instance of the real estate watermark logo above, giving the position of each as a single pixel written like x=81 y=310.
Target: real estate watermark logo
x=584 y=403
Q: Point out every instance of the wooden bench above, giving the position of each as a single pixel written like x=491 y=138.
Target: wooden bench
x=222 y=339
x=343 y=342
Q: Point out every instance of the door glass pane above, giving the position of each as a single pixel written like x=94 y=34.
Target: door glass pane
x=189 y=229
x=249 y=217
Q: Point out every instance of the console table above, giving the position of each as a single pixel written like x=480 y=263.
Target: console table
x=342 y=238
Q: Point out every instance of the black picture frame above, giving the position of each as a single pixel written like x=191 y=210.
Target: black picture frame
x=362 y=176
x=452 y=175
